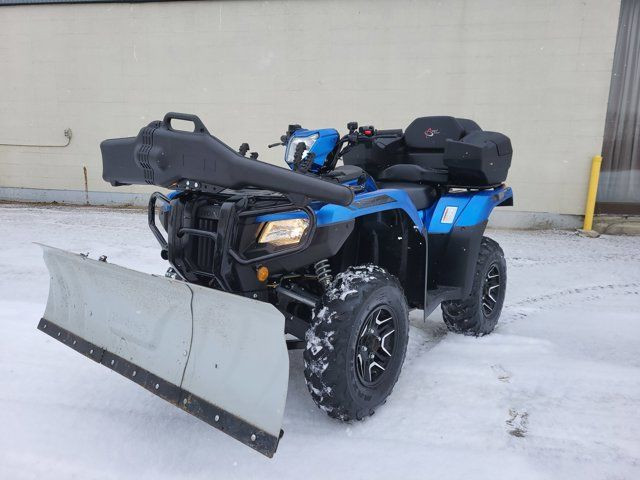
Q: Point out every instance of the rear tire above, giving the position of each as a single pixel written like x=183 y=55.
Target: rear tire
x=357 y=343
x=478 y=314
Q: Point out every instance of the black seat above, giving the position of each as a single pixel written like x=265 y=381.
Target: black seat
x=422 y=196
x=425 y=142
x=426 y=139
x=432 y=133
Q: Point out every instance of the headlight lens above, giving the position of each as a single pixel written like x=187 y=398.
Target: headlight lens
x=293 y=143
x=284 y=232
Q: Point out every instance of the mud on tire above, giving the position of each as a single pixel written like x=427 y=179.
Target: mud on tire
x=356 y=343
x=478 y=313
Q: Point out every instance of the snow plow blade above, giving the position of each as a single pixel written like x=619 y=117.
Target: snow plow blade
x=220 y=357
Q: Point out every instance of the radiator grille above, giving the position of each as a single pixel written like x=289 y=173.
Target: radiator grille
x=205 y=246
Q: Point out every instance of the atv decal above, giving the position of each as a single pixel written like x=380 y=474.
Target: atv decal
x=371 y=202
x=430 y=132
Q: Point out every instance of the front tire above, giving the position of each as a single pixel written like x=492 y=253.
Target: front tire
x=357 y=343
x=478 y=314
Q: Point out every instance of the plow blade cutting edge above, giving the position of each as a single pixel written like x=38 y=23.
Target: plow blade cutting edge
x=219 y=357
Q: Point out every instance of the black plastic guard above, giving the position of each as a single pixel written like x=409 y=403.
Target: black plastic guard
x=452 y=259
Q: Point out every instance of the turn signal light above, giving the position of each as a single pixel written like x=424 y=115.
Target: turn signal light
x=262 y=273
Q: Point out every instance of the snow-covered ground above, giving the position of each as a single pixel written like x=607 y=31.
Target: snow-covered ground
x=554 y=392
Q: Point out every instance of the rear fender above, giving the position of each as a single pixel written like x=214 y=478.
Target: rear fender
x=456 y=225
x=464 y=209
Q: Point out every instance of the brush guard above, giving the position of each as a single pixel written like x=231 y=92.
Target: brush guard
x=220 y=237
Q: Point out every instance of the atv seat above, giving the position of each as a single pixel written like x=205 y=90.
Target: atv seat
x=422 y=196
x=406 y=172
x=426 y=139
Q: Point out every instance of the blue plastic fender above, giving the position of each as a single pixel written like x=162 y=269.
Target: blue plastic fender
x=363 y=204
x=471 y=208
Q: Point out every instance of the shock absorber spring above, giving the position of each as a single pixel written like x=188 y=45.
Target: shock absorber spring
x=323 y=271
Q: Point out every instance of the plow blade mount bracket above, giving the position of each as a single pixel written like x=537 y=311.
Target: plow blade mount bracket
x=220 y=357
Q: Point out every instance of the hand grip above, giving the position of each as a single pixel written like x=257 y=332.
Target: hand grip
x=199 y=126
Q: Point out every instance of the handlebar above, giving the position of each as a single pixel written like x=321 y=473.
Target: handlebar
x=355 y=137
x=392 y=132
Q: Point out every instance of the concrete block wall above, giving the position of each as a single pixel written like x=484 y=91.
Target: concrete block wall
x=537 y=70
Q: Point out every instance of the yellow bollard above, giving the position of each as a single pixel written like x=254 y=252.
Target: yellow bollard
x=593 y=191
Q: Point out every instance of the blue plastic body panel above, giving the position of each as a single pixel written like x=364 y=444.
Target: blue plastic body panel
x=327 y=139
x=472 y=208
x=469 y=208
x=328 y=214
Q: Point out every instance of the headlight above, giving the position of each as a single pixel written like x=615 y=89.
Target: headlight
x=284 y=232
x=291 y=148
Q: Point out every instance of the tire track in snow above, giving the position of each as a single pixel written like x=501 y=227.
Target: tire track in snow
x=524 y=262
x=423 y=336
x=525 y=307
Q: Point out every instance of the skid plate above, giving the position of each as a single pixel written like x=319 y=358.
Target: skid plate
x=219 y=357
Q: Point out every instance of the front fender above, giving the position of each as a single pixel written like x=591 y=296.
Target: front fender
x=371 y=202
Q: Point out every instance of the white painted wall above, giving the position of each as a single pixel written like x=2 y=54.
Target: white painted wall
x=536 y=70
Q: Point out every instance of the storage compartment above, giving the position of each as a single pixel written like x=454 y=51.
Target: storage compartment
x=479 y=159
x=437 y=151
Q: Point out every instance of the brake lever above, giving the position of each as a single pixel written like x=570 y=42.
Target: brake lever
x=275 y=145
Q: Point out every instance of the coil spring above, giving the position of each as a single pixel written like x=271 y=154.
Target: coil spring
x=323 y=271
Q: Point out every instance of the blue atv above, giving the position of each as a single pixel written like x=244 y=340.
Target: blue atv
x=333 y=251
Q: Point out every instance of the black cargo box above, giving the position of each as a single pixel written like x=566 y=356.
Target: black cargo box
x=446 y=151
x=478 y=159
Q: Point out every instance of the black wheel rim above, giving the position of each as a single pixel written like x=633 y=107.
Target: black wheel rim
x=491 y=290
x=375 y=346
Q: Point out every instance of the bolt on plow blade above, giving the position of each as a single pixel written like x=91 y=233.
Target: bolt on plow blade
x=220 y=357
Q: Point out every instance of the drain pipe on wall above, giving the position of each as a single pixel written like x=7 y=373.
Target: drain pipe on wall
x=67 y=133
x=587 y=228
